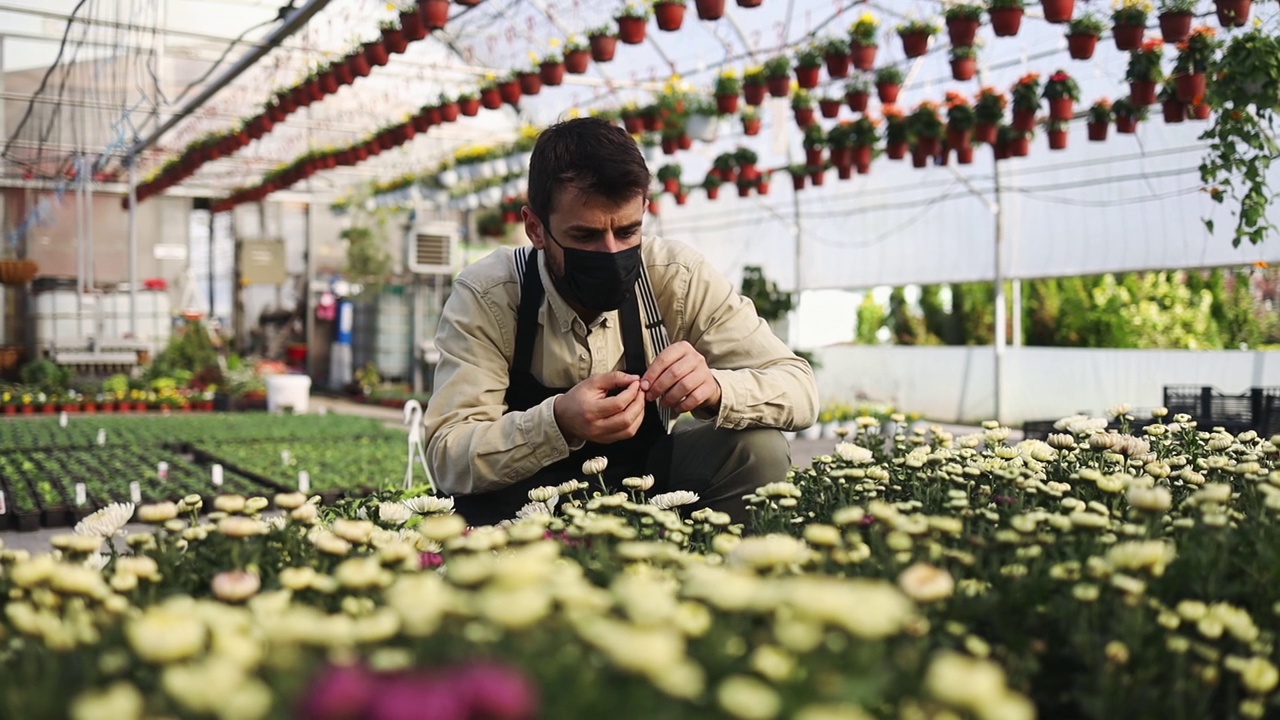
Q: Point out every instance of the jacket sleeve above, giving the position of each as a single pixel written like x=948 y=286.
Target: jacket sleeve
x=762 y=382
x=473 y=444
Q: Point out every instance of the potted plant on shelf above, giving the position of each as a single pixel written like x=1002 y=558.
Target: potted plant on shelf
x=988 y=113
x=857 y=91
x=895 y=133
x=1006 y=16
x=814 y=141
x=1062 y=92
x=964 y=62
x=631 y=22
x=1129 y=22
x=1082 y=36
x=836 y=55
x=577 y=55
x=1173 y=109
x=915 y=36
x=750 y=121
x=1144 y=72
x=1026 y=101
x=1128 y=114
x=1100 y=117
x=604 y=43
x=728 y=88
x=754 y=84
x=802 y=108
x=960 y=120
x=862 y=41
x=1194 y=58
x=669 y=14
x=888 y=84
x=1175 y=19
x=777 y=73
x=962 y=20
x=808 y=66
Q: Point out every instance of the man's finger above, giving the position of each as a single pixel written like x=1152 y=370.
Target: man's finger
x=677 y=372
x=610 y=380
x=613 y=405
x=663 y=360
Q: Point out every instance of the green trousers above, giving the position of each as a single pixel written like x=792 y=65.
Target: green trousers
x=721 y=465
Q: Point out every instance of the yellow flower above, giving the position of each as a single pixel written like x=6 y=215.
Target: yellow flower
x=118 y=701
x=163 y=635
x=745 y=697
x=235 y=585
x=832 y=711
x=926 y=583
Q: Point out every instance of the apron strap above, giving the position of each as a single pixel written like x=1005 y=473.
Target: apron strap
x=658 y=339
x=531 y=294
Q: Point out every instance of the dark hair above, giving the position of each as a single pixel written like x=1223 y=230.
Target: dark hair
x=590 y=154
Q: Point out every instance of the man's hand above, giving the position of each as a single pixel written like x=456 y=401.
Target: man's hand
x=588 y=412
x=679 y=379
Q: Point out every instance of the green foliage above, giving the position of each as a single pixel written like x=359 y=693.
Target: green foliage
x=190 y=352
x=367 y=260
x=771 y=303
x=46 y=375
x=871 y=317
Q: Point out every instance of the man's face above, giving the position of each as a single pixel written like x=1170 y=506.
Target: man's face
x=585 y=222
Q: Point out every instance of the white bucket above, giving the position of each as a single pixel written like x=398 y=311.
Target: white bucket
x=288 y=392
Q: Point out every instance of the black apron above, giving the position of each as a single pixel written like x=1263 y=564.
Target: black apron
x=626 y=459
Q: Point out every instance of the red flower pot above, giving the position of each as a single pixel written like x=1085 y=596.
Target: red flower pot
x=726 y=104
x=804 y=117
x=857 y=101
x=862 y=158
x=1128 y=36
x=395 y=40
x=631 y=30
x=603 y=47
x=633 y=124
x=807 y=77
x=837 y=64
x=1061 y=108
x=358 y=64
x=435 y=114
x=670 y=15
x=10 y=409
x=753 y=93
x=930 y=145
x=1127 y=125
x=510 y=91
x=762 y=187
x=915 y=44
x=844 y=173
x=1097 y=131
x=713 y=192
x=412 y=26
x=797 y=182
x=964 y=155
x=1201 y=111
x=842 y=159
x=1057 y=139
x=896 y=149
x=530 y=84
x=342 y=70
x=1175 y=26
x=1081 y=45
x=1174 y=111
x=962 y=31
x=684 y=142
x=919 y=158
x=376 y=53
x=1006 y=21
x=1020 y=146
x=1190 y=87
x=964 y=68
x=469 y=106
x=1233 y=13
x=750 y=3
x=576 y=61
x=751 y=126
x=1058 y=11
x=28 y=409
x=552 y=73
x=671 y=185
x=816 y=177
x=491 y=97
x=653 y=122
x=779 y=86
x=985 y=132
x=711 y=9
x=1142 y=92
x=957 y=137
x=863 y=57
x=681 y=197
x=744 y=190
x=435 y=13
x=1024 y=120
x=328 y=83
x=813 y=157
x=888 y=92
x=670 y=145
x=449 y=112
x=830 y=108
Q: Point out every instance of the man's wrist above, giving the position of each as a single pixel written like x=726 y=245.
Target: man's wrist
x=569 y=438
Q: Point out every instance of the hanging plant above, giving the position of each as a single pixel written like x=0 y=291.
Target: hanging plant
x=814 y=141
x=754 y=84
x=925 y=127
x=857 y=92
x=1058 y=11
x=840 y=140
x=551 y=69
x=915 y=36
x=964 y=62
x=1057 y=132
x=577 y=55
x=393 y=37
x=1173 y=109
x=1129 y=23
x=1195 y=55
x=530 y=82
x=1128 y=114
x=1232 y=13
x=829 y=106
x=750 y=121
x=711 y=184
x=1175 y=19
x=1006 y=16
x=888 y=84
x=728 y=88
x=862 y=41
x=713 y=9
x=631 y=22
x=1062 y=92
x=411 y=21
x=1100 y=117
x=960 y=120
x=895 y=133
x=669 y=14
x=469 y=103
x=962 y=23
x=1082 y=36
x=777 y=71
x=435 y=13
x=669 y=176
x=1026 y=101
x=604 y=43
x=808 y=66
x=1144 y=73
x=835 y=53
x=802 y=108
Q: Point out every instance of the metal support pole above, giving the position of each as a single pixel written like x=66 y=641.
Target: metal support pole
x=999 y=344
x=1017 y=312
x=133 y=248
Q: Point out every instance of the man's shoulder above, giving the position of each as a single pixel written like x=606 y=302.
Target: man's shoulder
x=493 y=270
x=661 y=254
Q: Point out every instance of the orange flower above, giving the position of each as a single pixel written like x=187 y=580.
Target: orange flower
x=954 y=98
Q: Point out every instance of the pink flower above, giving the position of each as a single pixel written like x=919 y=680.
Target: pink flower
x=497 y=693
x=339 y=692
x=413 y=697
x=428 y=560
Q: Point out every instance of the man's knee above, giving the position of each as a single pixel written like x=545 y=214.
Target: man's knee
x=766 y=452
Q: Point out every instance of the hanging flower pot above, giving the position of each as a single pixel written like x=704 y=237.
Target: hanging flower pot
x=1097 y=131
x=1175 y=26
x=1233 y=13
x=552 y=73
x=342 y=71
x=681 y=197
x=779 y=86
x=510 y=91
x=1058 y=11
x=412 y=25
x=930 y=145
x=985 y=132
x=394 y=39
x=919 y=158
x=1024 y=120
x=963 y=31
x=895 y=149
x=888 y=92
x=804 y=117
x=1127 y=124
x=862 y=56
x=1057 y=139
x=817 y=176
x=469 y=106
x=838 y=64
x=713 y=192
x=576 y=61
x=671 y=185
x=762 y=185
x=358 y=64
x=1020 y=145
x=914 y=43
x=684 y=141
x=449 y=111
x=957 y=137
x=491 y=97
x=964 y=155
x=328 y=83
x=813 y=157
x=435 y=13
x=711 y=9
x=1005 y=21
x=631 y=30
x=530 y=84
x=744 y=189
x=603 y=47
x=653 y=121
x=753 y=93
x=964 y=68
x=1200 y=111
x=726 y=104
x=670 y=145
x=857 y=101
x=1061 y=108
x=1081 y=45
x=376 y=53
x=751 y=126
x=842 y=160
x=1191 y=87
x=435 y=115
x=1174 y=111
x=862 y=158
x=830 y=108
x=807 y=77
x=1128 y=36
x=1142 y=92
x=669 y=14
x=750 y=3
x=633 y=124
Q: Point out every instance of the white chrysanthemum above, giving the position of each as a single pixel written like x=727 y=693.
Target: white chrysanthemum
x=926 y=583
x=853 y=453
x=106 y=522
x=769 y=551
x=781 y=488
x=642 y=483
x=394 y=513
x=430 y=504
x=674 y=499
x=595 y=466
x=531 y=509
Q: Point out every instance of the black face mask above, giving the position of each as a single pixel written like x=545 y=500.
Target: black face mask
x=598 y=281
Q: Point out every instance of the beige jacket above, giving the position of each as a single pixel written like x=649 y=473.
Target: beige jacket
x=474 y=445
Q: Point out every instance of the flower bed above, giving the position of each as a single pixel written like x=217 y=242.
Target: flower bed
x=1098 y=574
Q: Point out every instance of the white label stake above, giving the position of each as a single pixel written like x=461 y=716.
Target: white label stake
x=102 y=436
x=217 y=475
x=62 y=419
x=3 y=508
x=135 y=492
x=284 y=457
x=304 y=482
x=80 y=494
x=162 y=470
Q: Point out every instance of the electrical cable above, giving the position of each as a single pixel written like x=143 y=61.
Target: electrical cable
x=43 y=81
